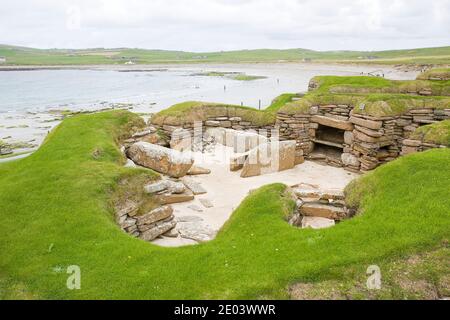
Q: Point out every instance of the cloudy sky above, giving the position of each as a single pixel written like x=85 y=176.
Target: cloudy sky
x=213 y=25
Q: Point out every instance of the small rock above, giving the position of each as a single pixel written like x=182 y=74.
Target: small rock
x=307 y=193
x=189 y=219
x=128 y=208
x=195 y=187
x=317 y=222
x=130 y=164
x=295 y=220
x=206 y=203
x=172 y=233
x=175 y=187
x=169 y=198
x=143 y=133
x=198 y=170
x=333 y=194
x=195 y=208
x=129 y=222
x=349 y=159
x=156 y=187
x=237 y=162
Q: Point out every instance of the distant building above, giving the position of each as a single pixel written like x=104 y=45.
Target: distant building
x=307 y=59
x=200 y=57
x=2 y=60
x=130 y=62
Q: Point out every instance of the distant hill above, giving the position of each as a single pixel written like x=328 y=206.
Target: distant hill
x=14 y=55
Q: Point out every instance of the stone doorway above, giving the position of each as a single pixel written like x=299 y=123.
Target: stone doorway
x=328 y=145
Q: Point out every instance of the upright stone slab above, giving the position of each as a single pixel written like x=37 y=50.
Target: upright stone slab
x=269 y=157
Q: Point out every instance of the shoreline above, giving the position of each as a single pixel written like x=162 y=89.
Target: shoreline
x=163 y=66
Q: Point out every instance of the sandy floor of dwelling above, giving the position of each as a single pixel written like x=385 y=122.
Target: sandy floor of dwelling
x=226 y=189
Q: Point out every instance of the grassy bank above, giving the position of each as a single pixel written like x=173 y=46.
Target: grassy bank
x=29 y=56
x=191 y=111
x=378 y=96
x=438 y=133
x=55 y=212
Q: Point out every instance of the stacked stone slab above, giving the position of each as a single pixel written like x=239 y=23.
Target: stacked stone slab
x=368 y=141
x=413 y=145
x=148 y=226
x=318 y=208
x=296 y=127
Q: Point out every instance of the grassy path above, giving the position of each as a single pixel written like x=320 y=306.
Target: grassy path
x=54 y=213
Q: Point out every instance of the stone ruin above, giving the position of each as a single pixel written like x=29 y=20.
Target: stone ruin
x=318 y=209
x=340 y=135
x=335 y=134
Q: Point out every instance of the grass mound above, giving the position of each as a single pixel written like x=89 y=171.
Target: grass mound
x=55 y=212
x=190 y=111
x=438 y=133
x=435 y=74
x=365 y=85
x=372 y=96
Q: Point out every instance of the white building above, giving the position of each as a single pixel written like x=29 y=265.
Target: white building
x=2 y=60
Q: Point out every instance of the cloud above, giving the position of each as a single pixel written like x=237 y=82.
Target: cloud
x=211 y=25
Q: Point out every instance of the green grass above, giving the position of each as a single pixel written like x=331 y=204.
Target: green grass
x=191 y=111
x=280 y=101
x=364 y=85
x=245 y=77
x=55 y=212
x=231 y=75
x=438 y=133
x=439 y=73
x=29 y=56
x=420 y=276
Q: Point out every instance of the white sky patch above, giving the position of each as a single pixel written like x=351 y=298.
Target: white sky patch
x=213 y=25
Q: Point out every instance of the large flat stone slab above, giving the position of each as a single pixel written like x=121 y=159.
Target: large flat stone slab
x=317 y=209
x=197 y=231
x=158 y=230
x=333 y=122
x=317 y=222
x=155 y=215
x=164 y=160
x=175 y=198
x=374 y=125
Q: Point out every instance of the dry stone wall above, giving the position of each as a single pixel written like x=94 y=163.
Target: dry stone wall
x=367 y=141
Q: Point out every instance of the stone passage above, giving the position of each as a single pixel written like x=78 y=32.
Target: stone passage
x=318 y=209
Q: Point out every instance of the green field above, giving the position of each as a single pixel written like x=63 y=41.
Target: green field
x=56 y=211
x=29 y=56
